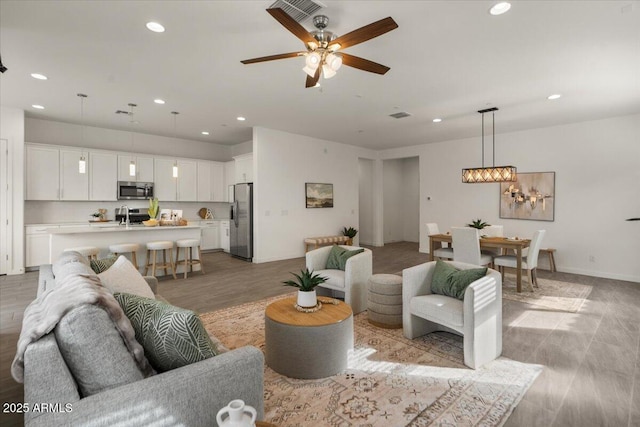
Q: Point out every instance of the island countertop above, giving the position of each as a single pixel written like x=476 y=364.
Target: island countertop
x=111 y=228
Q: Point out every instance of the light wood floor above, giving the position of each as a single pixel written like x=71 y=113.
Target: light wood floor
x=591 y=358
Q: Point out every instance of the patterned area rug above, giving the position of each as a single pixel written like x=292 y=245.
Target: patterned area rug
x=391 y=381
x=551 y=294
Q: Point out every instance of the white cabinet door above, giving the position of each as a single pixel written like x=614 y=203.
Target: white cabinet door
x=165 y=187
x=229 y=178
x=123 y=167
x=103 y=176
x=37 y=245
x=244 y=168
x=144 y=168
x=42 y=173
x=187 y=180
x=218 y=188
x=205 y=181
x=73 y=184
x=225 y=240
x=210 y=235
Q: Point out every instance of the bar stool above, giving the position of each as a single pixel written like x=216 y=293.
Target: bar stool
x=91 y=252
x=189 y=261
x=126 y=248
x=152 y=249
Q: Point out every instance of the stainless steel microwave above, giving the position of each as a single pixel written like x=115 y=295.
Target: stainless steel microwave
x=135 y=190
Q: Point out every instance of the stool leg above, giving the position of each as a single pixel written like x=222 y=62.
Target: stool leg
x=177 y=263
x=191 y=258
x=173 y=265
x=164 y=259
x=200 y=260
x=135 y=261
x=153 y=265
x=552 y=262
x=186 y=262
x=146 y=265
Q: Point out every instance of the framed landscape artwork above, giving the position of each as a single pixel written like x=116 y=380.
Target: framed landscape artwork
x=532 y=197
x=318 y=195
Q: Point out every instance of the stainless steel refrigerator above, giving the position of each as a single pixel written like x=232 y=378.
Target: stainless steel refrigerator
x=241 y=222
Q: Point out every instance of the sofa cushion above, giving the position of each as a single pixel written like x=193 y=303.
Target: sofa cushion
x=448 y=280
x=101 y=265
x=338 y=257
x=94 y=350
x=171 y=336
x=444 y=310
x=122 y=276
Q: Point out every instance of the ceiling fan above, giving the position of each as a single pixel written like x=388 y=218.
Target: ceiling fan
x=322 y=46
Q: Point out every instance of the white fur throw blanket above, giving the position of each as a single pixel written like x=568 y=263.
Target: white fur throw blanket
x=74 y=290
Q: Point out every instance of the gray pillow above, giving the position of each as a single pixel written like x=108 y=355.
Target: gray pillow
x=448 y=280
x=338 y=257
x=171 y=336
x=94 y=351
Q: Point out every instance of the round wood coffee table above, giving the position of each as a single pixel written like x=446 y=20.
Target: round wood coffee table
x=308 y=345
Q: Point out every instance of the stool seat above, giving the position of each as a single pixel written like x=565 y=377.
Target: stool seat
x=152 y=252
x=126 y=248
x=90 y=252
x=189 y=261
x=187 y=243
x=159 y=245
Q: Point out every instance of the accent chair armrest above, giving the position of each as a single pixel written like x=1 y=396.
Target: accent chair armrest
x=317 y=258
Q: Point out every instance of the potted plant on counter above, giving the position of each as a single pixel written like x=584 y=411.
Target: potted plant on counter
x=306 y=282
x=350 y=233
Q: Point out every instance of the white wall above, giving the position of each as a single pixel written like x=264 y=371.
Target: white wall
x=411 y=199
x=59 y=133
x=597 y=165
x=365 y=202
x=401 y=178
x=12 y=129
x=283 y=163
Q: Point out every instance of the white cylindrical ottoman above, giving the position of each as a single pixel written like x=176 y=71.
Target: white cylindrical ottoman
x=384 y=301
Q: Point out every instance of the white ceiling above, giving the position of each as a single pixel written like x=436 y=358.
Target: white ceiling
x=447 y=58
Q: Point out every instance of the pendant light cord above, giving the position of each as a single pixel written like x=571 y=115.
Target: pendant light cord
x=483 y=140
x=494 y=138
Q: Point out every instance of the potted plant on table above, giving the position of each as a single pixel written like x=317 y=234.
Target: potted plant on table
x=350 y=233
x=479 y=224
x=306 y=282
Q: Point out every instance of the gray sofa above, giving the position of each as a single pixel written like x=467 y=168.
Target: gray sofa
x=186 y=396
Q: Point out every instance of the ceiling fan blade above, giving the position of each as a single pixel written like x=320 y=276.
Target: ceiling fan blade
x=272 y=57
x=313 y=81
x=363 y=64
x=365 y=33
x=292 y=25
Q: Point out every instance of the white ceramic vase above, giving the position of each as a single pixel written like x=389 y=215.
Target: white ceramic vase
x=307 y=299
x=237 y=415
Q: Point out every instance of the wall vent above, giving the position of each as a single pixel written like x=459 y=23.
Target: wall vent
x=400 y=115
x=299 y=10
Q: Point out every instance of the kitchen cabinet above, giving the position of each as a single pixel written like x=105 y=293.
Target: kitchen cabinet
x=187 y=180
x=42 y=173
x=144 y=168
x=225 y=238
x=244 y=168
x=73 y=184
x=183 y=188
x=37 y=245
x=210 y=235
x=229 y=178
x=164 y=182
x=103 y=176
x=210 y=181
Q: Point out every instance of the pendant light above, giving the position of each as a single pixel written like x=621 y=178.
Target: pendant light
x=175 y=135
x=82 y=163
x=132 y=163
x=494 y=173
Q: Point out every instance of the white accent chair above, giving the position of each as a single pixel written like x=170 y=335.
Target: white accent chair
x=529 y=261
x=442 y=252
x=467 y=244
x=478 y=318
x=352 y=281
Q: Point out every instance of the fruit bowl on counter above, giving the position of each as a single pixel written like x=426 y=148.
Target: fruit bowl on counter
x=151 y=223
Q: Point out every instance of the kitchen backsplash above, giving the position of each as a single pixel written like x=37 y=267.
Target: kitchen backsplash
x=41 y=212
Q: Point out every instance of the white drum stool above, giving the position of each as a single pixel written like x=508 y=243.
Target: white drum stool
x=126 y=248
x=91 y=252
x=152 y=252
x=188 y=245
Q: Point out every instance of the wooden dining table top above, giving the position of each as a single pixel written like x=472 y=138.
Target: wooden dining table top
x=488 y=242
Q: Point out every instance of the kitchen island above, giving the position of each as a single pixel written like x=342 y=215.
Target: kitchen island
x=103 y=236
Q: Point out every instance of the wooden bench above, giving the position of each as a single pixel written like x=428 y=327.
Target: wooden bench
x=552 y=261
x=326 y=240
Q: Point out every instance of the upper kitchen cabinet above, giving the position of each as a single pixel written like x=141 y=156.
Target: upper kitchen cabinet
x=74 y=185
x=42 y=173
x=210 y=181
x=181 y=188
x=165 y=185
x=103 y=176
x=244 y=168
x=187 y=180
x=144 y=168
x=229 y=178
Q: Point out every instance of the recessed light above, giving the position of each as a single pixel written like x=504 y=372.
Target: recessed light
x=38 y=76
x=155 y=27
x=437 y=120
x=38 y=107
x=204 y=132
x=500 y=8
x=241 y=119
x=159 y=101
x=554 y=96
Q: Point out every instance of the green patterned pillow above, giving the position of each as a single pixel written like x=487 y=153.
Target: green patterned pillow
x=171 y=336
x=100 y=265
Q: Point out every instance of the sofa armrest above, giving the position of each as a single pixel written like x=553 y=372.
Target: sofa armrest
x=45 y=278
x=152 y=282
x=187 y=396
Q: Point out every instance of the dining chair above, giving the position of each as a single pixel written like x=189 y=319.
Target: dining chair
x=443 y=252
x=467 y=244
x=492 y=231
x=529 y=261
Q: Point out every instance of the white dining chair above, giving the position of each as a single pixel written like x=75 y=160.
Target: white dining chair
x=492 y=231
x=529 y=261
x=443 y=252
x=467 y=246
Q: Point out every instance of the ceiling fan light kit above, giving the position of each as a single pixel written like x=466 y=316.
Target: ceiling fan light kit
x=321 y=57
x=489 y=174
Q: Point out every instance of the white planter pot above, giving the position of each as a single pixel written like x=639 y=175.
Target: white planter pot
x=307 y=299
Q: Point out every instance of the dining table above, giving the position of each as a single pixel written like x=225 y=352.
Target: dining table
x=502 y=243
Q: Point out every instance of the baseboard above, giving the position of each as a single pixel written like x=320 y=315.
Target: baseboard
x=602 y=274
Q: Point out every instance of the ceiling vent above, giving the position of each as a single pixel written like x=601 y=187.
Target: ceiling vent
x=299 y=10
x=400 y=115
